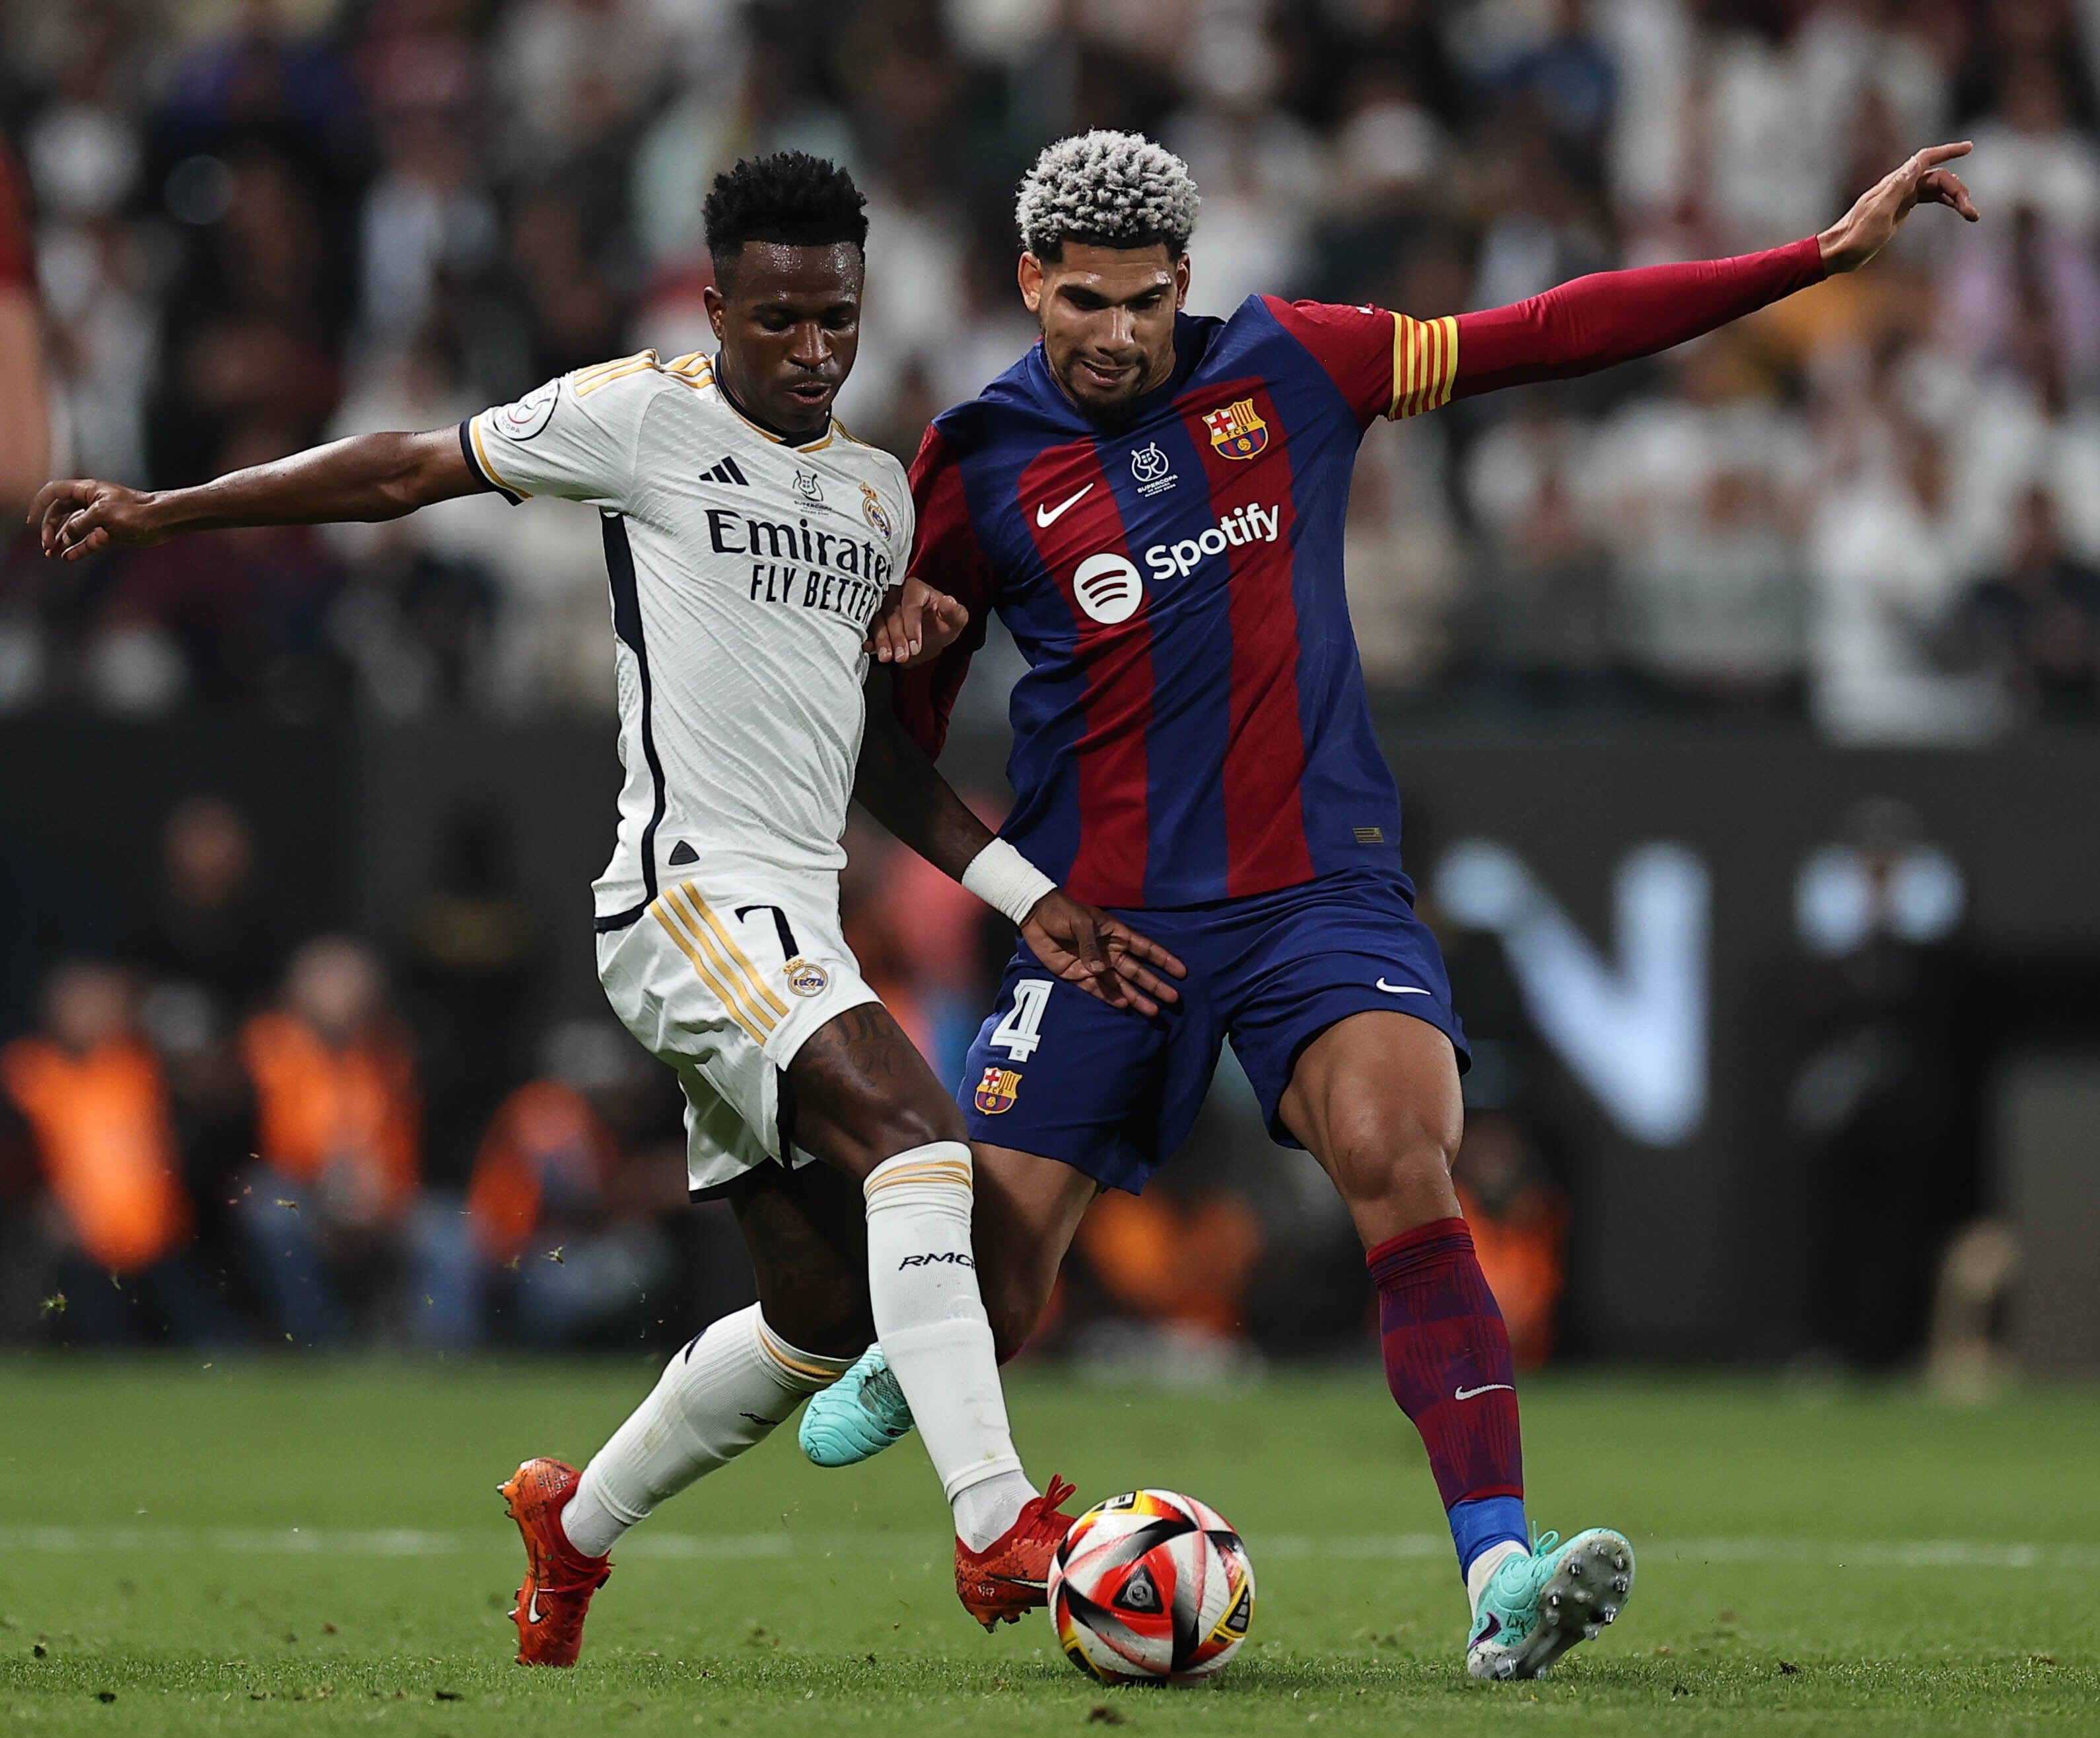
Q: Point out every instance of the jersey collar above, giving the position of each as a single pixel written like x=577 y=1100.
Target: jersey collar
x=817 y=445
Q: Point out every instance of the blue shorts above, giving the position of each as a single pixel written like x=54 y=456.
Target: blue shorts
x=1111 y=1093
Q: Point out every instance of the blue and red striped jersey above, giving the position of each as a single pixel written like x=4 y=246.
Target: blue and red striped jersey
x=1192 y=724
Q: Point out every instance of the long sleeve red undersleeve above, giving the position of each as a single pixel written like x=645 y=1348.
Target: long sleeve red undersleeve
x=1595 y=322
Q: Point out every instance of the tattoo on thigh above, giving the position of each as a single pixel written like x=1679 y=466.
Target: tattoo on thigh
x=863 y=1047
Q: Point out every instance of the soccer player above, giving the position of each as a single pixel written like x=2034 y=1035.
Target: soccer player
x=1154 y=505
x=749 y=540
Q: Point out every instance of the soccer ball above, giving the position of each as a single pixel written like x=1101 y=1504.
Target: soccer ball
x=1151 y=1587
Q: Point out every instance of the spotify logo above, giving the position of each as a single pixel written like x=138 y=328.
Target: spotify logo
x=1108 y=589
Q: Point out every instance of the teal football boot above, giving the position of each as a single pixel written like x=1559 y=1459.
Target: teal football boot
x=1535 y=1609
x=859 y=1415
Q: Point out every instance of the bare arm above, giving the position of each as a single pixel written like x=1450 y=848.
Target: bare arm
x=903 y=790
x=1595 y=322
x=25 y=428
x=367 y=477
x=897 y=784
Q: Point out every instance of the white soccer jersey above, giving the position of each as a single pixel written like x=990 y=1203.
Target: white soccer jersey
x=745 y=572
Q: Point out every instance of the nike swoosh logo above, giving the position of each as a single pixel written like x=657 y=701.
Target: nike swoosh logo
x=1400 y=989
x=1046 y=517
x=1486 y=1388
x=532 y=1607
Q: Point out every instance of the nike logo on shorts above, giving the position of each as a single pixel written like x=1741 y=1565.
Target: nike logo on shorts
x=1047 y=516
x=1401 y=989
x=1486 y=1388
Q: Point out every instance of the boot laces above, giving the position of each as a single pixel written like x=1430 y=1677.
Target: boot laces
x=1038 y=1518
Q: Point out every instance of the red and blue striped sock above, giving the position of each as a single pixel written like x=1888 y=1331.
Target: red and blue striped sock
x=1447 y=1361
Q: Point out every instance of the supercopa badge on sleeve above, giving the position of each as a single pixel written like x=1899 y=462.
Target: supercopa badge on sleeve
x=531 y=413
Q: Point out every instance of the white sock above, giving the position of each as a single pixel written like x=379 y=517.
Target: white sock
x=923 y=1284
x=983 y=1512
x=1483 y=1568
x=721 y=1395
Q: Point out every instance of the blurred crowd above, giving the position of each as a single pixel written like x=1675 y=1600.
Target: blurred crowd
x=252 y=224
x=217 y=1130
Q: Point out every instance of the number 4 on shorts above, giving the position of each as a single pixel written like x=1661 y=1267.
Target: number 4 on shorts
x=1021 y=1031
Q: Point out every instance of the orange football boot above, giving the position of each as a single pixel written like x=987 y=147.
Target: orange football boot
x=1011 y=1575
x=559 y=1580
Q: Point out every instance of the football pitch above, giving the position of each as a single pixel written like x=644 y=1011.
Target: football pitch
x=304 y=1547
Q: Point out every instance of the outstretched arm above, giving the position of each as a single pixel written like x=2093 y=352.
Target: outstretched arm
x=369 y=476
x=903 y=790
x=1387 y=364
x=1595 y=322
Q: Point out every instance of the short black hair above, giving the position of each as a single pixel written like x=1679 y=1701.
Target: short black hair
x=787 y=196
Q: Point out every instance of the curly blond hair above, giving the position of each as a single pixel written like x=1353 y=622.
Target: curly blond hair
x=1115 y=189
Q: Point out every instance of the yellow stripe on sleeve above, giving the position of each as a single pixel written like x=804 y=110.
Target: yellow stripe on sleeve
x=1402 y=356
x=706 y=976
x=641 y=359
x=495 y=476
x=646 y=364
x=1425 y=363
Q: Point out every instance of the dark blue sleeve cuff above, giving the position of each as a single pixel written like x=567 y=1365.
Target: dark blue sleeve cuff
x=474 y=465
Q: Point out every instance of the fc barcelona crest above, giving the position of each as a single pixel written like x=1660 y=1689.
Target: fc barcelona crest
x=997 y=1091
x=1237 y=430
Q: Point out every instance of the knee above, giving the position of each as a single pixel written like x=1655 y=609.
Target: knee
x=1395 y=1139
x=1391 y=1153
x=904 y=1128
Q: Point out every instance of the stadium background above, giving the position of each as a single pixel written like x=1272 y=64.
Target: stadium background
x=1745 y=702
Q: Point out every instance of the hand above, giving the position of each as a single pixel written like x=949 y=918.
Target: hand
x=1872 y=223
x=1102 y=956
x=916 y=623
x=82 y=515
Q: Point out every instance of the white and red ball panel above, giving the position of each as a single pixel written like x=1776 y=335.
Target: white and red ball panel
x=1151 y=1586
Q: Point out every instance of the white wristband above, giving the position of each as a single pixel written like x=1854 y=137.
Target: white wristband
x=1007 y=881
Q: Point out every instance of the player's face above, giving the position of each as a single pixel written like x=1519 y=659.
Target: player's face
x=788 y=318
x=1108 y=319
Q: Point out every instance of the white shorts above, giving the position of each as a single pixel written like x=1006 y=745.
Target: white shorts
x=726 y=984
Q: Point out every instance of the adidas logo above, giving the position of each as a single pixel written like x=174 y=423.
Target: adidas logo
x=726 y=472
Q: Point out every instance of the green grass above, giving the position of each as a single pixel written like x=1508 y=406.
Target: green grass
x=147 y=1510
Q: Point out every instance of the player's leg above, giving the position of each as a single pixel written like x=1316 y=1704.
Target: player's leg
x=728 y=1389
x=1347 y=1033
x=722 y=1393
x=865 y=1100
x=1376 y=1098
x=1027 y=1210
x=1063 y=1095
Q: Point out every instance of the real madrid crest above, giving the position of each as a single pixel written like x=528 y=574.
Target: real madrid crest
x=872 y=509
x=806 y=976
